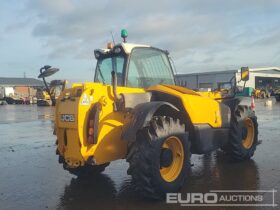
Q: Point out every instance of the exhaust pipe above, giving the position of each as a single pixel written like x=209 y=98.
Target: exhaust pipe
x=114 y=84
x=117 y=97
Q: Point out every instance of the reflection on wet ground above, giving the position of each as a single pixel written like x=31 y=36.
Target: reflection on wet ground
x=31 y=178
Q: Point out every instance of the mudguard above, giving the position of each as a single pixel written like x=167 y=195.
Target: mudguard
x=232 y=103
x=141 y=116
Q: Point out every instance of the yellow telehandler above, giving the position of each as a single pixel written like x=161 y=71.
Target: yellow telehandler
x=133 y=110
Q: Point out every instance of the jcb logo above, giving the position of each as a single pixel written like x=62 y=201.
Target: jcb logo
x=67 y=118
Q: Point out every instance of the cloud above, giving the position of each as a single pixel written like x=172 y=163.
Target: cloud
x=199 y=34
x=164 y=25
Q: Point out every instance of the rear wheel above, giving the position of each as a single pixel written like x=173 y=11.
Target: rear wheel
x=243 y=137
x=159 y=158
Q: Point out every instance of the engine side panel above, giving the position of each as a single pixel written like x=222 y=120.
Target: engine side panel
x=201 y=109
x=207 y=120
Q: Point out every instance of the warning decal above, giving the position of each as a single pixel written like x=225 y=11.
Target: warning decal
x=85 y=100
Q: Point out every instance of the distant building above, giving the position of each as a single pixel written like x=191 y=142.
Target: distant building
x=21 y=87
x=259 y=78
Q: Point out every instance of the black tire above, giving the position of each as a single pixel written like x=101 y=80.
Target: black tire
x=235 y=147
x=144 y=157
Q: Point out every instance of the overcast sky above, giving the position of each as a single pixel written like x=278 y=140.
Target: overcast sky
x=200 y=35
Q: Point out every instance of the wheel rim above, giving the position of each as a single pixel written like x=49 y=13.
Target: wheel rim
x=171 y=172
x=248 y=140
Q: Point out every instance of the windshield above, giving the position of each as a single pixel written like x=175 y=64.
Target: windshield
x=105 y=66
x=147 y=67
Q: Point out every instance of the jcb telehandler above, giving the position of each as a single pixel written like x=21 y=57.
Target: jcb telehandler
x=134 y=111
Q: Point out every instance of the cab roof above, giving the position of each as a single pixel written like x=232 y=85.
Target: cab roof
x=127 y=47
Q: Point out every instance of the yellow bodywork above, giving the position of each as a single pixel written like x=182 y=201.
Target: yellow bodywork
x=201 y=109
x=43 y=95
x=109 y=145
x=78 y=101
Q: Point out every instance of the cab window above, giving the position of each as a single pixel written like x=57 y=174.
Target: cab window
x=149 y=67
x=105 y=66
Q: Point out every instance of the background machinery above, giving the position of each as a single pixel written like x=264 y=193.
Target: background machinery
x=48 y=95
x=133 y=110
x=261 y=93
x=276 y=93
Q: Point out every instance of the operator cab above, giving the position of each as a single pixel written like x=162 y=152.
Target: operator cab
x=139 y=66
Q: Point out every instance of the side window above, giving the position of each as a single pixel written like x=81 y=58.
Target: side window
x=133 y=75
x=106 y=66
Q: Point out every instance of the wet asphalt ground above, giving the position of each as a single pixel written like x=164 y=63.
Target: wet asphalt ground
x=31 y=178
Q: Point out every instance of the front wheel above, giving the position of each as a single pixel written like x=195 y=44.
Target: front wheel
x=243 y=136
x=159 y=158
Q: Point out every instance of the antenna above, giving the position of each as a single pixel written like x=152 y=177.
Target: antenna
x=113 y=37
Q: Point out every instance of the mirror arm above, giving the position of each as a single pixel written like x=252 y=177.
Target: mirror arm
x=114 y=84
x=64 y=84
x=244 y=85
x=48 y=91
x=41 y=69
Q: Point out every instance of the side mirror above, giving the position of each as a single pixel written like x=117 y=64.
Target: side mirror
x=46 y=72
x=244 y=73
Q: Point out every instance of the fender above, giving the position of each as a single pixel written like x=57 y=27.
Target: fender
x=232 y=103
x=142 y=115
